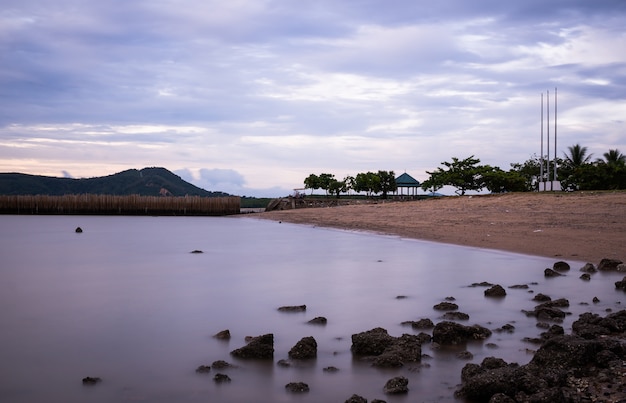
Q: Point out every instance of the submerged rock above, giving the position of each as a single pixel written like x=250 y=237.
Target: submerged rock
x=222 y=335
x=305 y=349
x=297 y=387
x=454 y=333
x=292 y=308
x=261 y=347
x=386 y=350
x=495 y=291
x=397 y=385
x=88 y=380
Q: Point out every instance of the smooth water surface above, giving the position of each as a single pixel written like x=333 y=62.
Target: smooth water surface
x=126 y=301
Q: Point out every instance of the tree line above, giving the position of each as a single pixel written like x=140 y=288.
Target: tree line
x=576 y=171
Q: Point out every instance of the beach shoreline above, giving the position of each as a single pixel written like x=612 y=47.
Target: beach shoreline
x=581 y=226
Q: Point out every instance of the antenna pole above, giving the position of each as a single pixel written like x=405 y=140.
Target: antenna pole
x=548 y=133
x=555 y=178
x=541 y=183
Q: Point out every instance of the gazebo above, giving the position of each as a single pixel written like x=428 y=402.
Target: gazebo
x=406 y=181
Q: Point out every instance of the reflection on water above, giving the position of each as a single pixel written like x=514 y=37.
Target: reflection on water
x=126 y=301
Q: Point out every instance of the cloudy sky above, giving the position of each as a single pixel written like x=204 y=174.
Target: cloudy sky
x=251 y=96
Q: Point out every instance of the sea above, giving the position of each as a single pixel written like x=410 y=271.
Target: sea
x=128 y=302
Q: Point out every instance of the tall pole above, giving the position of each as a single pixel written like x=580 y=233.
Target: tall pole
x=555 y=177
x=541 y=183
x=548 y=133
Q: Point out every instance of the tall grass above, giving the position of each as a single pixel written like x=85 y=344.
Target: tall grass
x=119 y=205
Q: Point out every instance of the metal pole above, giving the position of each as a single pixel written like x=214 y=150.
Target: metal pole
x=555 y=177
x=548 y=133
x=541 y=155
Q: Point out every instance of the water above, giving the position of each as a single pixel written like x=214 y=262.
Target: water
x=126 y=301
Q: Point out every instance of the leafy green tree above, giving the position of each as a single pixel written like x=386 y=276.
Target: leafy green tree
x=577 y=156
x=368 y=182
x=325 y=181
x=336 y=187
x=613 y=157
x=387 y=182
x=463 y=174
x=312 y=182
x=498 y=181
x=529 y=170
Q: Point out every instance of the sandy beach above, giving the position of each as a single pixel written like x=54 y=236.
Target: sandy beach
x=583 y=226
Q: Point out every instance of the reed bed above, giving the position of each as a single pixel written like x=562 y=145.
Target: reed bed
x=119 y=205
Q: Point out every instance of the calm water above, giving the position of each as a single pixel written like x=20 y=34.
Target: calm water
x=126 y=301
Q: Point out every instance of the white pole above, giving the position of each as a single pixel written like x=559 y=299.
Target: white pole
x=541 y=183
x=548 y=133
x=555 y=177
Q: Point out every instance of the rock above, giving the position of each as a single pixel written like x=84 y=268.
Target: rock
x=388 y=351
x=508 y=328
x=221 y=378
x=465 y=355
x=330 y=369
x=588 y=268
x=196 y=251
x=483 y=284
x=88 y=380
x=422 y=324
x=566 y=368
x=561 y=266
x=609 y=264
x=621 y=285
x=292 y=308
x=283 y=363
x=456 y=316
x=222 y=335
x=220 y=364
x=297 y=387
x=454 y=333
x=203 y=369
x=519 y=287
x=585 y=276
x=446 y=306
x=320 y=320
x=541 y=298
x=79 y=230
x=356 y=399
x=305 y=349
x=261 y=347
x=551 y=273
x=621 y=267
x=396 y=385
x=495 y=291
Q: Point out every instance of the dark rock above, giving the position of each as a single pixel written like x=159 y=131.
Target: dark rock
x=566 y=368
x=423 y=324
x=330 y=369
x=356 y=399
x=221 y=378
x=454 y=333
x=551 y=273
x=446 y=306
x=621 y=285
x=541 y=298
x=320 y=320
x=89 y=380
x=561 y=266
x=456 y=316
x=519 y=287
x=401 y=297
x=396 y=385
x=203 y=369
x=297 y=387
x=222 y=335
x=292 y=308
x=424 y=337
x=283 y=363
x=221 y=364
x=549 y=310
x=388 y=351
x=495 y=291
x=196 y=251
x=508 y=328
x=609 y=264
x=305 y=349
x=588 y=268
x=595 y=300
x=483 y=284
x=585 y=276
x=79 y=230
x=261 y=347
x=465 y=355
x=450 y=298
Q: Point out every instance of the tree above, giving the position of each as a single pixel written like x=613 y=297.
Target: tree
x=312 y=182
x=613 y=157
x=530 y=171
x=577 y=156
x=387 y=182
x=337 y=187
x=325 y=181
x=367 y=182
x=498 y=181
x=463 y=174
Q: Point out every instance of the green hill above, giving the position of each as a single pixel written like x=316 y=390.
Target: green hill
x=144 y=182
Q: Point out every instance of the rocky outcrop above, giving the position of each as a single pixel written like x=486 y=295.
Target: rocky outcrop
x=320 y=320
x=551 y=273
x=561 y=266
x=584 y=366
x=454 y=333
x=621 y=285
x=609 y=264
x=297 y=387
x=305 y=349
x=495 y=291
x=90 y=380
x=292 y=308
x=261 y=347
x=222 y=335
x=446 y=306
x=549 y=310
x=456 y=315
x=396 y=385
x=221 y=378
x=386 y=350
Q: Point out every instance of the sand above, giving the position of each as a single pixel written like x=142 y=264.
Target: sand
x=578 y=226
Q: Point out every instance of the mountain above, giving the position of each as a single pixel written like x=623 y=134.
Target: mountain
x=144 y=182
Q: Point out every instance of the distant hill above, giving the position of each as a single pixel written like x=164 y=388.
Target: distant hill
x=144 y=182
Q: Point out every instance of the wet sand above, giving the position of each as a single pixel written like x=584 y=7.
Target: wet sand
x=582 y=226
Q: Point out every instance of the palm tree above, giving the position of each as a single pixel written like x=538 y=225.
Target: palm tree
x=613 y=157
x=577 y=156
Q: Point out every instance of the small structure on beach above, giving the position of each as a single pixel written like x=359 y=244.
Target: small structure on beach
x=406 y=181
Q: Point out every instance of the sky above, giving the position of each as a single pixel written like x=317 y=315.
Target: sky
x=250 y=97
